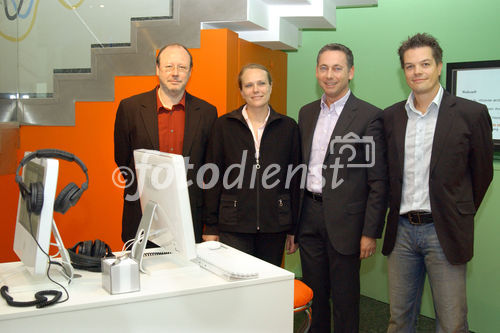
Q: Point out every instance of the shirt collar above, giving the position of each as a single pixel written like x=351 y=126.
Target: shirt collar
x=337 y=106
x=244 y=113
x=436 y=102
x=179 y=106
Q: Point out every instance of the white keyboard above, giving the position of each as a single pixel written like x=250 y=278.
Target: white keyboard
x=225 y=262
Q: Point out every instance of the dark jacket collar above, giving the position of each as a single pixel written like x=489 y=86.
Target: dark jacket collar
x=238 y=114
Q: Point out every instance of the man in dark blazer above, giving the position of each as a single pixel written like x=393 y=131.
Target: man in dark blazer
x=168 y=119
x=440 y=158
x=344 y=200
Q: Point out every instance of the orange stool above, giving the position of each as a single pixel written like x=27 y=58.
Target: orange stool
x=302 y=300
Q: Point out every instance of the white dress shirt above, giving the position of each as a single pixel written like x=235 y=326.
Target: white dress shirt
x=327 y=120
x=418 y=150
x=256 y=136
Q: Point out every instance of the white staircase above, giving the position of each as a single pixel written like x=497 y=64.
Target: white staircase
x=277 y=24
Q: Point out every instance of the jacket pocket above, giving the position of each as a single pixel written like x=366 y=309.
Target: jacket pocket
x=228 y=210
x=356 y=207
x=284 y=210
x=466 y=207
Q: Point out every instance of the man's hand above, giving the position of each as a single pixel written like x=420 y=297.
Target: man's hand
x=207 y=238
x=367 y=247
x=290 y=244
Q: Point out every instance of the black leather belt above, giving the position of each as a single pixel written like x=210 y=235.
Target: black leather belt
x=315 y=196
x=419 y=217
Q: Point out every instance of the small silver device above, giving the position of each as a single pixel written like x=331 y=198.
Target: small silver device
x=120 y=275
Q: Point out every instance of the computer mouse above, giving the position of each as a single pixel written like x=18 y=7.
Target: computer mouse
x=211 y=245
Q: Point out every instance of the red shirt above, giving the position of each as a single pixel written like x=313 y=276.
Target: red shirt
x=171 y=125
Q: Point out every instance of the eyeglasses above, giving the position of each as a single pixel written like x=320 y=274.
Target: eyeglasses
x=170 y=68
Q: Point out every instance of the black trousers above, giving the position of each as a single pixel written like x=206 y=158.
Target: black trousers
x=266 y=246
x=329 y=274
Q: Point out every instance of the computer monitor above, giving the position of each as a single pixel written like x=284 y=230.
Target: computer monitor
x=32 y=226
x=163 y=192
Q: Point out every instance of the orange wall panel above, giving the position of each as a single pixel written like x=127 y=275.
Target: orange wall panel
x=213 y=68
x=91 y=139
x=8 y=204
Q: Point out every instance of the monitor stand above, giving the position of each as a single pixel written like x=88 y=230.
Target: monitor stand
x=142 y=235
x=154 y=263
x=65 y=260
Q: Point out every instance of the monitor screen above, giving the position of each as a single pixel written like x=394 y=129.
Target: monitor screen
x=32 y=226
x=161 y=180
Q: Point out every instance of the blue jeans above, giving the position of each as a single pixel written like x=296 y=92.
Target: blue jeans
x=417 y=251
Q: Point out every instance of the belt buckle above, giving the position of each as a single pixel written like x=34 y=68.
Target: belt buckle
x=410 y=218
x=315 y=196
x=318 y=197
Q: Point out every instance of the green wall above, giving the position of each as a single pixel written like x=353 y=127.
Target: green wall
x=467 y=31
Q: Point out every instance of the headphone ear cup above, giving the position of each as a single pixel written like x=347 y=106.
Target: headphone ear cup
x=34 y=202
x=65 y=199
x=98 y=249
x=86 y=248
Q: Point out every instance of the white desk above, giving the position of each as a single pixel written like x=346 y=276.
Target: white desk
x=192 y=300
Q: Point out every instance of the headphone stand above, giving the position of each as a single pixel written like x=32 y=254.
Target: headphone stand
x=65 y=260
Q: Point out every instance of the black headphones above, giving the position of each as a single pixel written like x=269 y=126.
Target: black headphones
x=88 y=254
x=33 y=194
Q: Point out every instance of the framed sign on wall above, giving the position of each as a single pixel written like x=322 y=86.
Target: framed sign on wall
x=478 y=81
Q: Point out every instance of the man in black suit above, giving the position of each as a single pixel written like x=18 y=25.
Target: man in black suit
x=344 y=201
x=440 y=158
x=168 y=119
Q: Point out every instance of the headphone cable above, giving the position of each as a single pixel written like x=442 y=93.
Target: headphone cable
x=50 y=263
